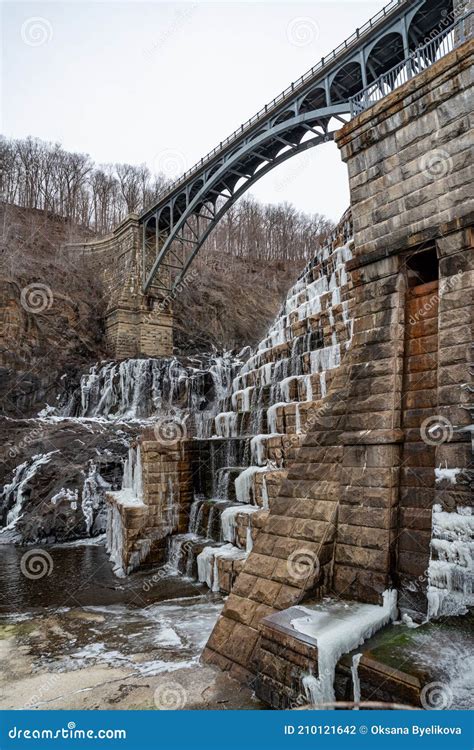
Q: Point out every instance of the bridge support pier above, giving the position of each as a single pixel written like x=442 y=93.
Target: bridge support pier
x=136 y=324
x=141 y=328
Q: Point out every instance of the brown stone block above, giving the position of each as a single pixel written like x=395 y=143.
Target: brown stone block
x=384 y=420
x=373 y=497
x=418 y=455
x=310 y=530
x=382 y=456
x=421 y=380
x=261 y=611
x=212 y=657
x=420 y=399
x=419 y=309
x=361 y=585
x=264 y=543
x=361 y=536
x=369 y=477
x=260 y=565
x=283 y=547
x=265 y=591
x=425 y=345
x=421 y=363
x=416 y=497
x=275 y=667
x=378 y=518
x=282 y=572
x=453 y=454
x=415 y=518
x=361 y=557
x=423 y=328
x=240 y=609
x=240 y=646
x=279 y=525
x=414 y=541
x=414 y=476
x=324 y=510
x=223 y=630
x=413 y=564
x=287 y=597
x=452 y=375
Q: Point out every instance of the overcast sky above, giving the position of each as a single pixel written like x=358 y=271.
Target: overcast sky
x=163 y=83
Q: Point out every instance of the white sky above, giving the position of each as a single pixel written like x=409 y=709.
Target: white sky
x=163 y=83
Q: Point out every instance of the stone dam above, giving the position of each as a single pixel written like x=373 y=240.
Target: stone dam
x=322 y=481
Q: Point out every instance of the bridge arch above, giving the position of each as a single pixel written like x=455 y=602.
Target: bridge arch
x=427 y=21
x=363 y=69
x=384 y=54
x=346 y=82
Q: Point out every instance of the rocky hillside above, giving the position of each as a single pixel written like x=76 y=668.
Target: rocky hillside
x=51 y=310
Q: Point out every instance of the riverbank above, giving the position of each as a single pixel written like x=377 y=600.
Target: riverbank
x=79 y=638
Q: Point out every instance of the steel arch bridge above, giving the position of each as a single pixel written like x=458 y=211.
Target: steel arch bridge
x=402 y=39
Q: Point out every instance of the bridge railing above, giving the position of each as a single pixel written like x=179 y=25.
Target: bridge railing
x=262 y=113
x=420 y=59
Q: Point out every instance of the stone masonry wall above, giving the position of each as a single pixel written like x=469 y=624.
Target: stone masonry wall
x=167 y=496
x=135 y=324
x=354 y=513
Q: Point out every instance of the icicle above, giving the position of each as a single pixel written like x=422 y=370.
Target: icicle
x=339 y=628
x=228 y=520
x=451 y=568
x=244 y=483
x=355 y=678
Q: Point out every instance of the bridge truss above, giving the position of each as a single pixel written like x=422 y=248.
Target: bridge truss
x=307 y=113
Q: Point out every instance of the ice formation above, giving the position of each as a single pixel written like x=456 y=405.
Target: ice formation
x=339 y=627
x=451 y=569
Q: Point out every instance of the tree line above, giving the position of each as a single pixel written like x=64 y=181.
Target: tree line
x=35 y=174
